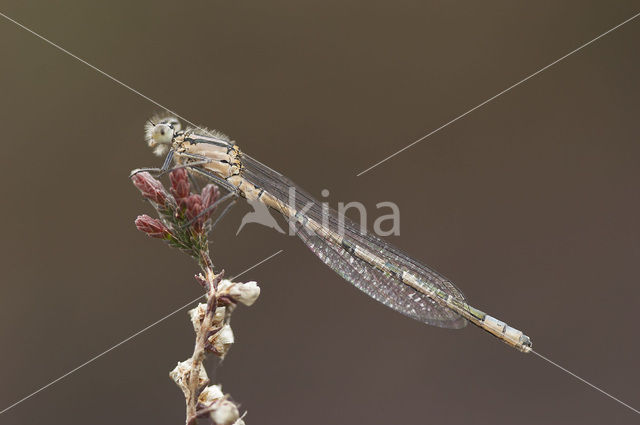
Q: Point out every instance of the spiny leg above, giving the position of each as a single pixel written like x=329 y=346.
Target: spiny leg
x=167 y=168
x=156 y=172
x=194 y=183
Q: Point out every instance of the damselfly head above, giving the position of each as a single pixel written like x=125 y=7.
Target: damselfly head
x=159 y=133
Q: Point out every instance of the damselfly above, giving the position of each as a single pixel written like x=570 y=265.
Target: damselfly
x=371 y=264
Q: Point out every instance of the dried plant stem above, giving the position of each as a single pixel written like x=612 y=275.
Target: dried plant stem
x=194 y=386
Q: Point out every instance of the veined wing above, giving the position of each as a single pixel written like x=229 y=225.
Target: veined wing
x=384 y=288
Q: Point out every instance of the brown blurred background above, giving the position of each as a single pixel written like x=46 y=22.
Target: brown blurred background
x=530 y=204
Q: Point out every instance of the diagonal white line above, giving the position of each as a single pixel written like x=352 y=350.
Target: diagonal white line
x=256 y=264
x=499 y=94
x=91 y=360
x=586 y=382
x=109 y=76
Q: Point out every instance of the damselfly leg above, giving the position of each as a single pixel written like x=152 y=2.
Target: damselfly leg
x=213 y=207
x=223 y=213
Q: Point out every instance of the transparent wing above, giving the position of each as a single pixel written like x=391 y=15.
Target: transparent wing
x=385 y=289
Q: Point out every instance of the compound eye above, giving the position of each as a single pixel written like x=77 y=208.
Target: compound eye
x=173 y=123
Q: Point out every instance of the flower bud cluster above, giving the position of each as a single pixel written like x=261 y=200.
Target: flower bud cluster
x=197 y=208
x=183 y=215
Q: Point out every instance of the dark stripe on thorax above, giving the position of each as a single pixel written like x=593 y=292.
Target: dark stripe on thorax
x=200 y=139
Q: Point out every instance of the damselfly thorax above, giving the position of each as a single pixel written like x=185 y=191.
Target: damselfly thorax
x=220 y=160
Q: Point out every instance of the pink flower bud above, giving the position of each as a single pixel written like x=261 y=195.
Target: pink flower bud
x=150 y=188
x=194 y=207
x=151 y=226
x=210 y=195
x=180 y=186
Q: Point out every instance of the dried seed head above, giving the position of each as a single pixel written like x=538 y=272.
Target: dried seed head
x=210 y=394
x=221 y=341
x=198 y=314
x=225 y=413
x=245 y=293
x=218 y=316
x=225 y=336
x=180 y=375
